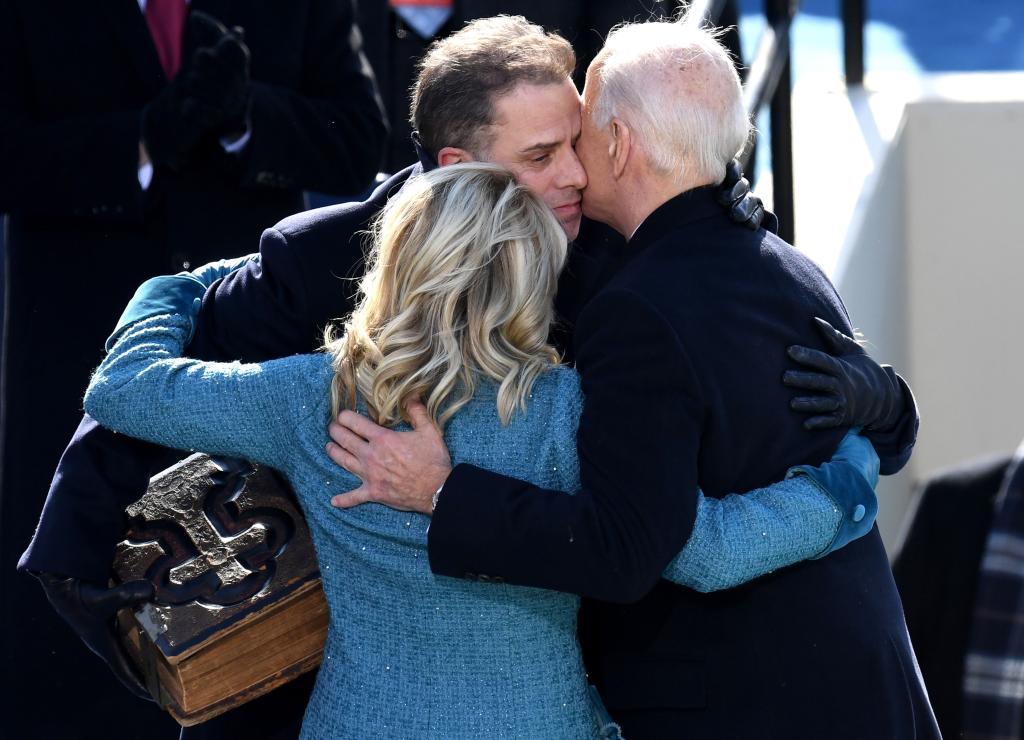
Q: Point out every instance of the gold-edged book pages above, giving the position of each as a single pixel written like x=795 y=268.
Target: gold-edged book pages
x=239 y=609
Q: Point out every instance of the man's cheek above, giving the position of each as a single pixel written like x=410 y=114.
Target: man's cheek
x=572 y=227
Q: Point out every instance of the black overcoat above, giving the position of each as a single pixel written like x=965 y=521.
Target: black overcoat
x=681 y=355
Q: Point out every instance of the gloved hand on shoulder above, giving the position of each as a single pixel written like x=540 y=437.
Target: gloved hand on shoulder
x=850 y=388
x=744 y=207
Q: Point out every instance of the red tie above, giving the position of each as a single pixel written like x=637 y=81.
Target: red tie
x=166 y=21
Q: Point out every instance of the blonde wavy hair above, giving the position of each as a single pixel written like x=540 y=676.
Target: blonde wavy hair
x=461 y=277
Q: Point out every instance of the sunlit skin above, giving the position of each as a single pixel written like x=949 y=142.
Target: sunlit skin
x=535 y=129
x=593 y=150
x=623 y=187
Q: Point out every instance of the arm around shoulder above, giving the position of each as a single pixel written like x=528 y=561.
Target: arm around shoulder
x=813 y=512
x=261 y=311
x=637 y=446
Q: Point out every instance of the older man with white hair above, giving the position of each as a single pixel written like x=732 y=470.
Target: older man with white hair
x=819 y=650
x=680 y=363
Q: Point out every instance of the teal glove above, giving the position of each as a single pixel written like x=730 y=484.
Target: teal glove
x=849 y=479
x=175 y=294
x=165 y=294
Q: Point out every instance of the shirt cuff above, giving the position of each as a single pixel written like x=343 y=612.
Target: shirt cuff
x=233 y=145
x=145 y=175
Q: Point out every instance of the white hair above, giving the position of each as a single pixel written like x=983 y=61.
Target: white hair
x=675 y=86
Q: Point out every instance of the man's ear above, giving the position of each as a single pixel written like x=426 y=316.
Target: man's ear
x=453 y=155
x=621 y=147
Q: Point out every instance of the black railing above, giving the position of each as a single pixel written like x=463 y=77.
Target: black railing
x=768 y=83
x=853 y=41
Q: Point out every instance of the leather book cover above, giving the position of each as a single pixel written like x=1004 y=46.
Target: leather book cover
x=238 y=607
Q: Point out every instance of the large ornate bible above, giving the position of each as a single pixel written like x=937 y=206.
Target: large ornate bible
x=238 y=609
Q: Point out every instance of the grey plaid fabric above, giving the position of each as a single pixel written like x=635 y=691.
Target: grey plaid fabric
x=994 y=666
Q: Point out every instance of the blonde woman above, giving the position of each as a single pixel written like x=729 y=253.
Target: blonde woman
x=455 y=309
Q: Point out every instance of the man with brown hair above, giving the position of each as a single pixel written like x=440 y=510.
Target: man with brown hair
x=501 y=91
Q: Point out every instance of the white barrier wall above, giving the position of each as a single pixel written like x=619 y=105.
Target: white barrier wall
x=873 y=282
x=933 y=273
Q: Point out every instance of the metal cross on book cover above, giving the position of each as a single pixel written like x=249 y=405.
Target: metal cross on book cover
x=239 y=609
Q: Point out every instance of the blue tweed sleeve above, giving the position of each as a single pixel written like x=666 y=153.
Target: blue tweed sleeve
x=741 y=537
x=736 y=538
x=144 y=388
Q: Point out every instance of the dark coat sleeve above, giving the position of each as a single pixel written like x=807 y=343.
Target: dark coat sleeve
x=321 y=128
x=267 y=309
x=894 y=446
x=99 y=475
x=329 y=133
x=272 y=295
x=638 y=444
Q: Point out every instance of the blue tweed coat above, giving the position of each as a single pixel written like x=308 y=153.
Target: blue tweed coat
x=410 y=653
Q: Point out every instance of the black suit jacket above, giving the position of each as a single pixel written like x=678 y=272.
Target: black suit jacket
x=936 y=570
x=680 y=356
x=74 y=77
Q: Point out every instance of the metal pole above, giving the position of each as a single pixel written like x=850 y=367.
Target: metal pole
x=782 y=124
x=782 y=155
x=853 y=41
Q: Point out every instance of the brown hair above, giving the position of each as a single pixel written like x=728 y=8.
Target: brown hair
x=461 y=76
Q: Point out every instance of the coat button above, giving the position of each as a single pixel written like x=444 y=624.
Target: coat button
x=859 y=512
x=180 y=261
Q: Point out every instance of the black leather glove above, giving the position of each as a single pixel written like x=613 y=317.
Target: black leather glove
x=734 y=194
x=217 y=83
x=851 y=388
x=209 y=97
x=90 y=609
x=170 y=137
